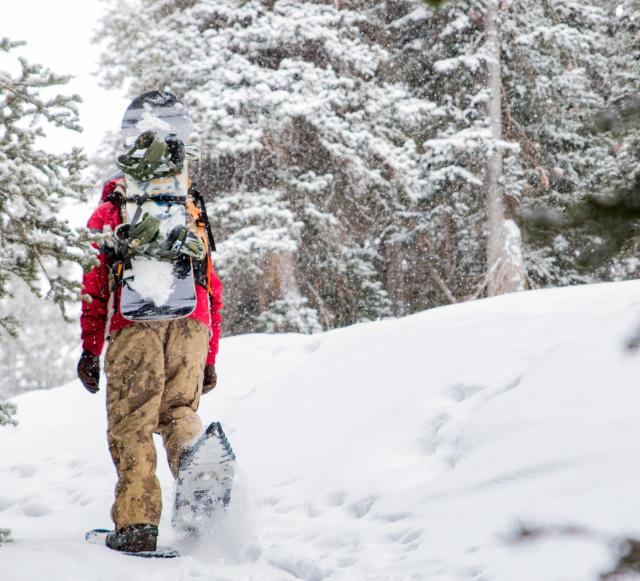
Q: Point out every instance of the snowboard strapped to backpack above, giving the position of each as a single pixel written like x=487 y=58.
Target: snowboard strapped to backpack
x=163 y=245
x=164 y=233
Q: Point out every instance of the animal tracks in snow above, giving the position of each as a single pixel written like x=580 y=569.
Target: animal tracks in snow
x=362 y=507
x=338 y=530
x=24 y=470
x=444 y=437
x=393 y=517
x=337 y=498
x=342 y=527
x=463 y=391
x=301 y=568
x=36 y=509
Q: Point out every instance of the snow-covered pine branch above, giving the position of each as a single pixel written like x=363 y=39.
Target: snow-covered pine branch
x=553 y=64
x=35 y=243
x=7 y=411
x=309 y=149
x=347 y=143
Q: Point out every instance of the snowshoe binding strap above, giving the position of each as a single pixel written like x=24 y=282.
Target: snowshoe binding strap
x=197 y=196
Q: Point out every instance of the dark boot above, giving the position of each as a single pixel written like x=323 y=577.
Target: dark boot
x=133 y=539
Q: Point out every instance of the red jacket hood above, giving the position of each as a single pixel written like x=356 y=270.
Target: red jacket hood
x=110 y=185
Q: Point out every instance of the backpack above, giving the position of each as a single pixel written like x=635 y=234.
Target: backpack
x=137 y=236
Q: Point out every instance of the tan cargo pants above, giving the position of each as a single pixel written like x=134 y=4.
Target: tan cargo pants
x=154 y=381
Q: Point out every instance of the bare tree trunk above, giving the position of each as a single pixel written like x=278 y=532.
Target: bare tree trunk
x=395 y=278
x=279 y=279
x=504 y=254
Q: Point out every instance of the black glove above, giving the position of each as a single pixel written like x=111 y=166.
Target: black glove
x=89 y=371
x=210 y=378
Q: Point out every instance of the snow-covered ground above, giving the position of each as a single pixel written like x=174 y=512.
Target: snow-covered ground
x=407 y=449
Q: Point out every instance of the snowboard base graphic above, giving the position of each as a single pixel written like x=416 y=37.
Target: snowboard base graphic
x=156 y=285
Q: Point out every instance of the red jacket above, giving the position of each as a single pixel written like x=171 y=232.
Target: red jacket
x=95 y=314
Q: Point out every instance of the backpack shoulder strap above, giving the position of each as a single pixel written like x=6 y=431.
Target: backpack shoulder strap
x=203 y=217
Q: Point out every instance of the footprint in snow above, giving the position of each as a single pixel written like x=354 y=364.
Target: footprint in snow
x=25 y=470
x=313 y=347
x=406 y=537
x=462 y=391
x=362 y=506
x=36 y=509
x=394 y=517
x=430 y=441
x=336 y=499
x=301 y=568
x=287 y=482
x=5 y=504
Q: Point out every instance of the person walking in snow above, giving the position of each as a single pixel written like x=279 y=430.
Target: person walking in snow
x=156 y=372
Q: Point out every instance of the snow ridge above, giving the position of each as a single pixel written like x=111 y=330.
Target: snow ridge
x=395 y=450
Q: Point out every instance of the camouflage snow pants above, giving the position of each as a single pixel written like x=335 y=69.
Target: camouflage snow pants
x=154 y=381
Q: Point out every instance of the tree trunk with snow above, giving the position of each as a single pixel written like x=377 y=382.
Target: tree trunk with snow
x=279 y=279
x=504 y=253
x=283 y=308
x=395 y=277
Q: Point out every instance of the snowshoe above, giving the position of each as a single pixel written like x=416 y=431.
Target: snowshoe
x=134 y=540
x=204 y=483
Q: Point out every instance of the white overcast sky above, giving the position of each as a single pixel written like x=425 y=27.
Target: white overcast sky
x=59 y=33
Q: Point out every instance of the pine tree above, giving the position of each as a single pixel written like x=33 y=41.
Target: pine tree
x=553 y=69
x=43 y=353
x=613 y=211
x=35 y=243
x=565 y=44
x=308 y=150
x=7 y=413
x=349 y=145
x=5 y=535
x=444 y=56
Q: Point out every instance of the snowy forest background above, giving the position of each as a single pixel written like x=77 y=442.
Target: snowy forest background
x=361 y=159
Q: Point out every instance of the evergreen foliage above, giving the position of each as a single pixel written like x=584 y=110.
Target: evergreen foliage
x=7 y=411
x=44 y=352
x=440 y=54
x=567 y=45
x=308 y=151
x=35 y=243
x=347 y=144
x=553 y=66
x=602 y=224
x=614 y=208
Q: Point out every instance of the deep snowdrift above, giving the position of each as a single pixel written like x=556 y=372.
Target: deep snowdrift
x=403 y=449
